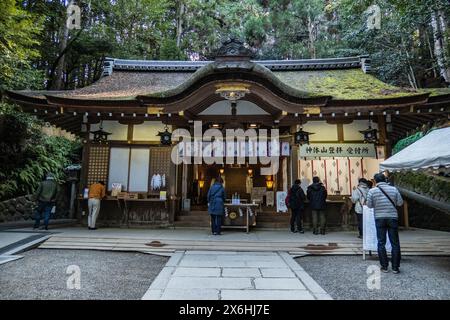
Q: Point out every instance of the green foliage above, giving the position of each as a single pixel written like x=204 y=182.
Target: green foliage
x=403 y=143
x=170 y=51
x=18 y=46
x=26 y=154
x=402 y=51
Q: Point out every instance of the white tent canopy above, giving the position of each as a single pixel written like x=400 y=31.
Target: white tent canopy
x=431 y=151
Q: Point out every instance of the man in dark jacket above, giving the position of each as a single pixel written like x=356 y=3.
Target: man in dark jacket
x=46 y=197
x=297 y=205
x=317 y=196
x=216 y=208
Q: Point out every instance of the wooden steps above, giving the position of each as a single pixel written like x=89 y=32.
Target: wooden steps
x=265 y=220
x=299 y=246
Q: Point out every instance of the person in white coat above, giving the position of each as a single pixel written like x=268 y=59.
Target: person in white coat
x=359 y=198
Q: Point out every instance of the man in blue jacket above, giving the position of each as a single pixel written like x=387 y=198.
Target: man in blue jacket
x=216 y=209
x=384 y=199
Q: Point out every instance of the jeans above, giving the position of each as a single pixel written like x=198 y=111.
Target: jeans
x=359 y=218
x=43 y=207
x=389 y=226
x=94 y=209
x=316 y=215
x=296 y=216
x=216 y=223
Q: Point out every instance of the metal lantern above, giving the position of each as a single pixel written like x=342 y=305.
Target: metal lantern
x=370 y=135
x=100 y=136
x=165 y=137
x=302 y=137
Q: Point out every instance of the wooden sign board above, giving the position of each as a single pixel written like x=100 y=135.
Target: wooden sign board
x=258 y=193
x=270 y=198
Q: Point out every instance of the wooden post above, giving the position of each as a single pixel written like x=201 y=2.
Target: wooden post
x=406 y=214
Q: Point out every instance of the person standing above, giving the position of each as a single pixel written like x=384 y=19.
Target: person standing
x=46 y=198
x=317 y=196
x=96 y=194
x=216 y=208
x=296 y=203
x=384 y=199
x=359 y=198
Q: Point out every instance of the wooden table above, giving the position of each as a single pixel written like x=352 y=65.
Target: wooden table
x=126 y=210
x=242 y=223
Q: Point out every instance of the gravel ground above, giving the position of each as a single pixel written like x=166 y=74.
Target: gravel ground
x=345 y=277
x=41 y=274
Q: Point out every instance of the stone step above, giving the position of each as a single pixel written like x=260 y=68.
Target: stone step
x=193 y=218
x=193 y=213
x=191 y=224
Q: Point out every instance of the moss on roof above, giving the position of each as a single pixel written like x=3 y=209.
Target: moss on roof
x=346 y=84
x=246 y=66
x=342 y=84
x=435 y=91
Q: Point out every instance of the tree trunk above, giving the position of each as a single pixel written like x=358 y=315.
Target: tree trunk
x=57 y=81
x=430 y=48
x=439 y=49
x=312 y=46
x=180 y=22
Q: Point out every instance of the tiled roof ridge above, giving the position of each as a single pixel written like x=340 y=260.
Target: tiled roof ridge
x=362 y=61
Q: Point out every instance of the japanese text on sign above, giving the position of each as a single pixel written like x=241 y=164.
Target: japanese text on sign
x=357 y=150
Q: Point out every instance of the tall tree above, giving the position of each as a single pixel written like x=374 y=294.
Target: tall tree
x=18 y=45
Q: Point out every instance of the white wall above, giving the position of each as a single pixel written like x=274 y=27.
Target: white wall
x=118 y=167
x=118 y=131
x=148 y=131
x=243 y=107
x=322 y=130
x=351 y=130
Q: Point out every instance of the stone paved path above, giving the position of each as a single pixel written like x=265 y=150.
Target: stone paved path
x=228 y=275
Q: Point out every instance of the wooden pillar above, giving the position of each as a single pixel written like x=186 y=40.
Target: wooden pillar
x=383 y=135
x=294 y=163
x=340 y=132
x=406 y=214
x=173 y=205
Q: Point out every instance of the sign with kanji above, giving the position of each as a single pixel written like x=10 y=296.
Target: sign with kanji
x=350 y=150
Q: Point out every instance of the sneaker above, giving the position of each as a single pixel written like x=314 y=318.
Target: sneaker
x=385 y=270
x=294 y=231
x=360 y=237
x=395 y=270
x=302 y=231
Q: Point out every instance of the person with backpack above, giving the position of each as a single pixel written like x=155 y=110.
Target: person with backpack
x=384 y=199
x=296 y=202
x=216 y=208
x=46 y=198
x=359 y=198
x=317 y=196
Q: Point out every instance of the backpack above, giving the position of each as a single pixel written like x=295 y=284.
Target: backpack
x=288 y=198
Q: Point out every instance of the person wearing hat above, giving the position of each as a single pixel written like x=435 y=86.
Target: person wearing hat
x=46 y=198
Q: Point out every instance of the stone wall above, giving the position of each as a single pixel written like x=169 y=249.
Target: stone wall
x=21 y=208
x=18 y=209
